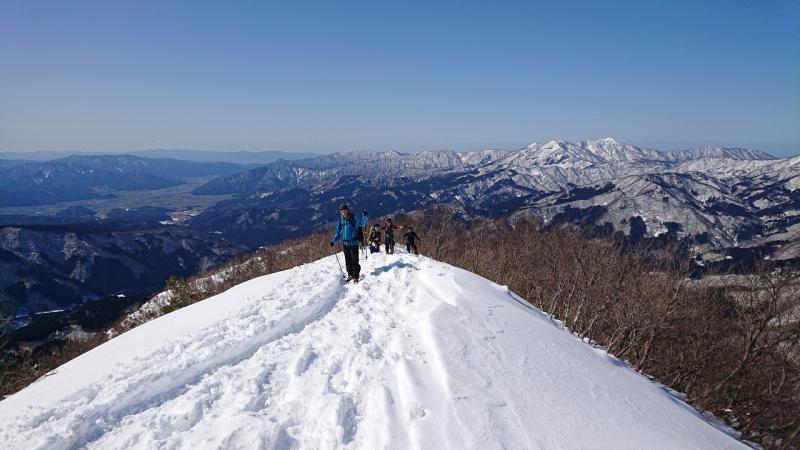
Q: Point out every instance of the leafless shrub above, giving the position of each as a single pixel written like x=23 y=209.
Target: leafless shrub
x=6 y=315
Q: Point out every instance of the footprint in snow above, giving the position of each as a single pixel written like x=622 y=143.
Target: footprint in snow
x=375 y=352
x=363 y=336
x=347 y=418
x=304 y=361
x=415 y=411
x=335 y=367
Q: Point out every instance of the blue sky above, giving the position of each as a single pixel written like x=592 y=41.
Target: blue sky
x=330 y=76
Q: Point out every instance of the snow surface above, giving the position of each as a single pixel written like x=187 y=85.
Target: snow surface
x=418 y=355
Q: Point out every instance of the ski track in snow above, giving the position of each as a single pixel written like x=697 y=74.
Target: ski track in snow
x=417 y=355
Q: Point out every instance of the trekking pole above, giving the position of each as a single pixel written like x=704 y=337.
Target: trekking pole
x=340 y=264
x=366 y=252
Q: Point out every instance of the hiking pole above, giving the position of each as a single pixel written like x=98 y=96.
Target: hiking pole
x=340 y=264
x=366 y=252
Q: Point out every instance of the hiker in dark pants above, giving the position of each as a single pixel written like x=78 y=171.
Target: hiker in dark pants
x=411 y=241
x=347 y=232
x=388 y=235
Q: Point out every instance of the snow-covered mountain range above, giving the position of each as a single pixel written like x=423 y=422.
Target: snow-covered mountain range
x=419 y=354
x=717 y=197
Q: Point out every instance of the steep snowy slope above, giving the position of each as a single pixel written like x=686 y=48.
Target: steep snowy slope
x=418 y=355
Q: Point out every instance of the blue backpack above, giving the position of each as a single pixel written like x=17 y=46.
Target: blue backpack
x=348 y=230
x=363 y=220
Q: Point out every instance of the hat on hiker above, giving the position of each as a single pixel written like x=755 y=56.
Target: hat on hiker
x=343 y=207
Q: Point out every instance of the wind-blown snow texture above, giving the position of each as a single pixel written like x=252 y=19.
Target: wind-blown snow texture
x=418 y=355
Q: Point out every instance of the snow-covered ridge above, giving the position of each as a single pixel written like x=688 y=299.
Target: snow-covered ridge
x=593 y=151
x=610 y=151
x=554 y=163
x=419 y=354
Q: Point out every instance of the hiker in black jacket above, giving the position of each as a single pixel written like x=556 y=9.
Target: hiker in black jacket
x=388 y=235
x=411 y=241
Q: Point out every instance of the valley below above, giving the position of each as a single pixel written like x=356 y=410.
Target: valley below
x=179 y=202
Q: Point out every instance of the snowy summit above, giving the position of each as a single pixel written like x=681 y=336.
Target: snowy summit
x=418 y=355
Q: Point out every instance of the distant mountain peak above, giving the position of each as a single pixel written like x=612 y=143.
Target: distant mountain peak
x=604 y=141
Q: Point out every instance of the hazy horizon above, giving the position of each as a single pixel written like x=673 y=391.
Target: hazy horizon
x=323 y=152
x=126 y=76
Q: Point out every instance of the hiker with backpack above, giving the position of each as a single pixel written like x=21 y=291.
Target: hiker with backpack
x=347 y=232
x=388 y=235
x=375 y=239
x=411 y=241
x=363 y=221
